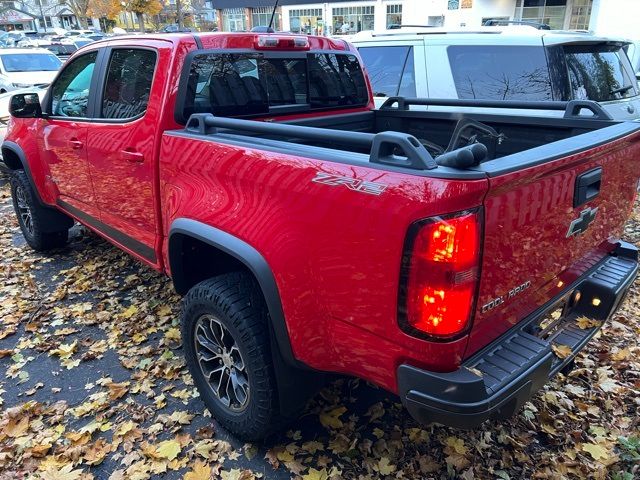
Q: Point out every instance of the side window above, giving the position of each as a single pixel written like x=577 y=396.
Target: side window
x=390 y=70
x=500 y=73
x=70 y=92
x=128 y=83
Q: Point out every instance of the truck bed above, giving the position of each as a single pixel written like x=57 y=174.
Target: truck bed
x=350 y=137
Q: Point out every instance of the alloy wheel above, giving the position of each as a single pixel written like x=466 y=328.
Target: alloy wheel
x=221 y=363
x=24 y=210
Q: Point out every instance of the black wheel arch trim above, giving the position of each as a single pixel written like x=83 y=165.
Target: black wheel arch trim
x=247 y=255
x=18 y=152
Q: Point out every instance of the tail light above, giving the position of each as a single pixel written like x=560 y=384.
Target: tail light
x=278 y=42
x=439 y=275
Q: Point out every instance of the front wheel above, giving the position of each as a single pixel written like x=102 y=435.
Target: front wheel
x=42 y=227
x=226 y=341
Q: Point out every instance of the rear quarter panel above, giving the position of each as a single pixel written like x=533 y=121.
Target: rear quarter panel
x=335 y=253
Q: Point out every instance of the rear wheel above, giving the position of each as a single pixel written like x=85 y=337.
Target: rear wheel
x=226 y=341
x=43 y=228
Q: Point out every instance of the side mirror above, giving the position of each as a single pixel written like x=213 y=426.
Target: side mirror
x=25 y=105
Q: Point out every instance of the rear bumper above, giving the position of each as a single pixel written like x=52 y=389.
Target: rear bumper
x=497 y=381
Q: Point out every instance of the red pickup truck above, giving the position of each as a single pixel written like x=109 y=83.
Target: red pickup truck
x=439 y=255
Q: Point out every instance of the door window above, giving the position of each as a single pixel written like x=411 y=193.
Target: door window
x=390 y=70
x=128 y=85
x=70 y=92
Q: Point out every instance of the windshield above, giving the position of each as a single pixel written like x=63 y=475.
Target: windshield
x=31 y=62
x=600 y=73
x=252 y=84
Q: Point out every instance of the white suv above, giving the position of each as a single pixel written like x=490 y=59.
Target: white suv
x=518 y=63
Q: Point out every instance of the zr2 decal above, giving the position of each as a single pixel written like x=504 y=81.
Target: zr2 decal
x=355 y=184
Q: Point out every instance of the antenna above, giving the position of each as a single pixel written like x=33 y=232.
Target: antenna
x=273 y=14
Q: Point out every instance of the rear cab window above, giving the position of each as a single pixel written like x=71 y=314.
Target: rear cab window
x=246 y=84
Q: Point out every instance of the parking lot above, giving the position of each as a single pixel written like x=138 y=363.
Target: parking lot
x=93 y=385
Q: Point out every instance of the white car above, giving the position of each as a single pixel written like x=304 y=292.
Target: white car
x=493 y=64
x=26 y=68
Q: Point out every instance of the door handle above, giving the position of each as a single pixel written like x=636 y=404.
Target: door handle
x=587 y=186
x=76 y=144
x=132 y=156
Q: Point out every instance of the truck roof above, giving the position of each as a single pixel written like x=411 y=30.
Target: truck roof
x=503 y=35
x=240 y=40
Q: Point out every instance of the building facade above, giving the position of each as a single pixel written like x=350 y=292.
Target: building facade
x=40 y=15
x=345 y=17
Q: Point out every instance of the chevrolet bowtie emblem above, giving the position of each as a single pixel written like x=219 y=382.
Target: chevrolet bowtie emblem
x=580 y=224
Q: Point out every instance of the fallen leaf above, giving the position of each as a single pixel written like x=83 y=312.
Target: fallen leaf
x=168 y=449
x=561 y=351
x=199 y=471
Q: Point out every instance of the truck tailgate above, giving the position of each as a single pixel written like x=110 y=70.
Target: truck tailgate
x=550 y=220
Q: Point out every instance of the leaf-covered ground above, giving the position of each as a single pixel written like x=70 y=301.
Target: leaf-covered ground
x=93 y=385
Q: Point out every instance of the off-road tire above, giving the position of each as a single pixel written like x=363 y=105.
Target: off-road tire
x=235 y=300
x=48 y=228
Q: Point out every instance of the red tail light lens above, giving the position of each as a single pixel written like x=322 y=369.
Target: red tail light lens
x=440 y=275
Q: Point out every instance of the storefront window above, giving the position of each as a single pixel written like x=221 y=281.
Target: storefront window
x=550 y=12
x=350 y=20
x=306 y=20
x=394 y=15
x=580 y=14
x=234 y=20
x=261 y=16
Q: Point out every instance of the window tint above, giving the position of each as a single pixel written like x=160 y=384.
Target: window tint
x=250 y=84
x=600 y=73
x=390 y=70
x=70 y=92
x=128 y=84
x=336 y=80
x=500 y=73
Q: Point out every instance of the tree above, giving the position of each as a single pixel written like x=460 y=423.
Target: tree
x=108 y=9
x=79 y=9
x=142 y=7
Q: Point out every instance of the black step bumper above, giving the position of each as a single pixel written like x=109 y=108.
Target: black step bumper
x=497 y=381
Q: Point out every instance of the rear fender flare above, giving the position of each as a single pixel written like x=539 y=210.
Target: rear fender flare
x=248 y=256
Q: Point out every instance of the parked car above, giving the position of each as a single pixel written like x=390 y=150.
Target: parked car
x=20 y=68
x=34 y=39
x=62 y=50
x=518 y=63
x=174 y=28
x=95 y=36
x=327 y=238
x=80 y=41
x=75 y=33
